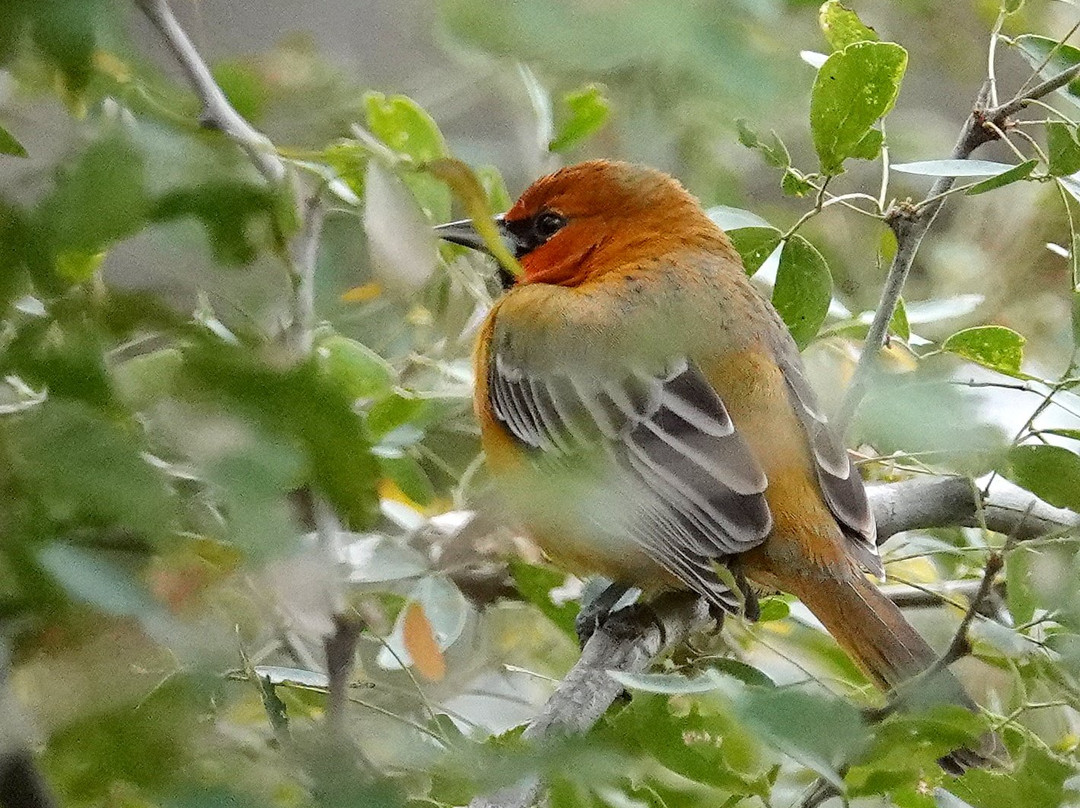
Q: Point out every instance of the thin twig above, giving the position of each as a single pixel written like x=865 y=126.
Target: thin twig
x=910 y=223
x=217 y=112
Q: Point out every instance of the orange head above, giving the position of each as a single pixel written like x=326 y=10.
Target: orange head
x=595 y=217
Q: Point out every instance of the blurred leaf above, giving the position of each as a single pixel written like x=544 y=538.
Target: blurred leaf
x=145 y=379
x=244 y=86
x=409 y=476
x=589 y=111
x=90 y=577
x=64 y=31
x=954 y=168
x=294 y=677
x=98 y=197
x=854 y=88
x=356 y=369
x=735 y=218
x=1003 y=639
x=1011 y=6
x=992 y=346
x=1062 y=149
x=83 y=466
x=77 y=266
x=772 y=148
x=1050 y=58
x=842 y=26
x=803 y=289
x=446 y=611
x=227 y=209
x=492 y=180
x=1050 y=472
x=1014 y=174
x=9 y=145
x=1037 y=780
x=773 y=608
x=300 y=403
x=943 y=799
x=372 y=558
x=535 y=583
x=747 y=674
x=754 y=245
x=932 y=311
x=419 y=639
x=402 y=244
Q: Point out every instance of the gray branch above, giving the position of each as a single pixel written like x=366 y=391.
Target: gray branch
x=910 y=223
x=217 y=112
x=631 y=640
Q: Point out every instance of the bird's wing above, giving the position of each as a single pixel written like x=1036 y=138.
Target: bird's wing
x=841 y=484
x=671 y=434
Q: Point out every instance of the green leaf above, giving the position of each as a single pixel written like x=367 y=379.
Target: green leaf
x=774 y=608
x=404 y=126
x=66 y=32
x=842 y=26
x=589 y=110
x=356 y=369
x=1014 y=174
x=1050 y=472
x=869 y=148
x=98 y=198
x=9 y=145
x=803 y=289
x=747 y=674
x=82 y=466
x=793 y=183
x=143 y=380
x=899 y=325
x=91 y=577
x=1011 y=6
x=854 y=88
x=1062 y=148
x=992 y=346
x=535 y=583
x=1050 y=58
x=409 y=476
x=244 y=86
x=754 y=245
x=772 y=148
x=954 y=168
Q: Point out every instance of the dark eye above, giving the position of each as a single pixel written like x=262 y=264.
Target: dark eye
x=547 y=224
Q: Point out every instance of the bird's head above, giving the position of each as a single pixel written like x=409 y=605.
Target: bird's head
x=583 y=221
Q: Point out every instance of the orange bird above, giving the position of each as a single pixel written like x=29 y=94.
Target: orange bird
x=648 y=416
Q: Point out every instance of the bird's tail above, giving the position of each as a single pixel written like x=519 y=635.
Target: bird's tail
x=873 y=632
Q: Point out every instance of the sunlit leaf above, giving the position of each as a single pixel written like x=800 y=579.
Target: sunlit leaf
x=754 y=245
x=992 y=346
x=1062 y=148
x=404 y=126
x=803 y=289
x=1050 y=472
x=842 y=26
x=854 y=88
x=589 y=110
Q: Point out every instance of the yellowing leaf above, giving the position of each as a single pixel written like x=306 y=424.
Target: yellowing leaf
x=421 y=644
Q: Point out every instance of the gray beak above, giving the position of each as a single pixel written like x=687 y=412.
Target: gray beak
x=463 y=233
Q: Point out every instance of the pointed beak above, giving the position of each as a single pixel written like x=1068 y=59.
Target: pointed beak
x=463 y=233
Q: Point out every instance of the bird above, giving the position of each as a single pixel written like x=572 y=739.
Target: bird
x=648 y=418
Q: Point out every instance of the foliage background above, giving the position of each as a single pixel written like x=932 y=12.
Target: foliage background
x=170 y=453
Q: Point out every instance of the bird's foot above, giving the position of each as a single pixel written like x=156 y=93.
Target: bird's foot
x=595 y=611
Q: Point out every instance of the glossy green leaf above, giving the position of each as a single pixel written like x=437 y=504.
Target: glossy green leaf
x=535 y=582
x=803 y=289
x=992 y=346
x=842 y=26
x=1050 y=472
x=1062 y=149
x=754 y=245
x=1014 y=174
x=1051 y=58
x=9 y=145
x=854 y=88
x=589 y=109
x=772 y=149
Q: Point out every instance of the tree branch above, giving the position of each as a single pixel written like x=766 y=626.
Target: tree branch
x=631 y=639
x=910 y=223
x=217 y=112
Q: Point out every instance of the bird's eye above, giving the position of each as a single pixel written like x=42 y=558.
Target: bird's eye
x=547 y=224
